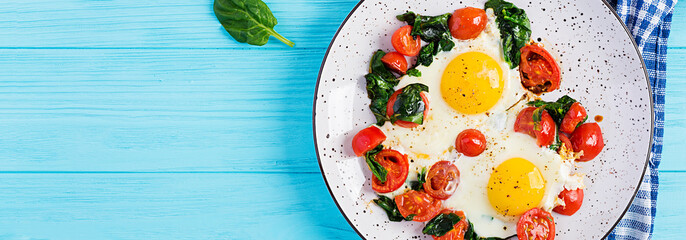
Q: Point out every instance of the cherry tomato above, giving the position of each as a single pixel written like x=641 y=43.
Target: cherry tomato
x=396 y=165
x=459 y=228
x=574 y=116
x=442 y=180
x=395 y=61
x=573 y=200
x=406 y=44
x=536 y=224
x=565 y=141
x=544 y=134
x=470 y=142
x=422 y=205
x=538 y=69
x=467 y=23
x=367 y=139
x=587 y=138
x=406 y=124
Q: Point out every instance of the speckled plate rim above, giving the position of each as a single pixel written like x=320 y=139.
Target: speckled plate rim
x=614 y=13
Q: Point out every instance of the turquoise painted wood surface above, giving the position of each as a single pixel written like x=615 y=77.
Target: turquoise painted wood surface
x=145 y=120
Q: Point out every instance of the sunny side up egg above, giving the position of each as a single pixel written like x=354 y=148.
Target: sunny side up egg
x=472 y=86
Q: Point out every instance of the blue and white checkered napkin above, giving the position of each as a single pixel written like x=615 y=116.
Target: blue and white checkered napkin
x=649 y=22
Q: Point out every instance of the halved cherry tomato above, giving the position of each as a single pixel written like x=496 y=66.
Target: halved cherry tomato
x=544 y=133
x=587 y=138
x=536 y=224
x=565 y=141
x=442 y=180
x=422 y=205
x=406 y=124
x=395 y=61
x=573 y=200
x=467 y=23
x=367 y=139
x=396 y=165
x=574 y=116
x=459 y=228
x=406 y=44
x=538 y=69
x=470 y=142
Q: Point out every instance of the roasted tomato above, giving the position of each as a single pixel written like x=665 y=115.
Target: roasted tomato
x=470 y=142
x=367 y=139
x=589 y=139
x=536 y=224
x=544 y=131
x=574 y=116
x=467 y=23
x=397 y=166
x=573 y=200
x=406 y=44
x=395 y=61
x=422 y=205
x=442 y=180
x=538 y=69
x=406 y=124
x=565 y=141
x=459 y=228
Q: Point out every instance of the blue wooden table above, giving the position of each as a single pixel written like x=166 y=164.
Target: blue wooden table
x=137 y=119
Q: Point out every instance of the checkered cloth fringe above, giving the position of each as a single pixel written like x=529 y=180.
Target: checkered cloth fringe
x=649 y=22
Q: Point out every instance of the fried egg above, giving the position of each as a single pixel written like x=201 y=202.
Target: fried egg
x=472 y=86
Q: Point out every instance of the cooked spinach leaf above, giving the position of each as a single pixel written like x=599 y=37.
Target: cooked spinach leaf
x=248 y=21
x=413 y=72
x=433 y=30
x=408 y=105
x=470 y=234
x=426 y=54
x=421 y=179
x=557 y=109
x=376 y=66
x=388 y=205
x=515 y=29
x=379 y=171
x=441 y=224
x=380 y=84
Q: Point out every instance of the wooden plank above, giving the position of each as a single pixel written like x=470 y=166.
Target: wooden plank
x=670 y=206
x=678 y=28
x=169 y=206
x=157 y=110
x=675 y=111
x=156 y=24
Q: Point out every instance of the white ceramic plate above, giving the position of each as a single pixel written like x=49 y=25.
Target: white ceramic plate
x=601 y=68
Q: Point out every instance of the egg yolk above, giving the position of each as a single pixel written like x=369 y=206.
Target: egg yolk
x=515 y=186
x=472 y=83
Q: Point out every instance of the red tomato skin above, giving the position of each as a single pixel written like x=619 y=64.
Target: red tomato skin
x=470 y=142
x=536 y=217
x=587 y=138
x=395 y=61
x=367 y=139
x=467 y=23
x=404 y=43
x=397 y=166
x=459 y=229
x=565 y=141
x=573 y=200
x=538 y=69
x=545 y=135
x=442 y=175
x=421 y=204
x=574 y=116
x=406 y=124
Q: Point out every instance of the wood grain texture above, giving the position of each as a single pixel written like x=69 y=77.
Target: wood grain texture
x=169 y=206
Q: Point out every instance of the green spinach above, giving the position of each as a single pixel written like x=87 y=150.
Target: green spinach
x=413 y=72
x=421 y=179
x=248 y=21
x=515 y=29
x=380 y=84
x=441 y=224
x=470 y=234
x=388 y=205
x=431 y=29
x=379 y=171
x=557 y=109
x=409 y=105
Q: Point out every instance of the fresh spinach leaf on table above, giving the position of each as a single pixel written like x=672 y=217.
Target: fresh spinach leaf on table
x=515 y=29
x=248 y=21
